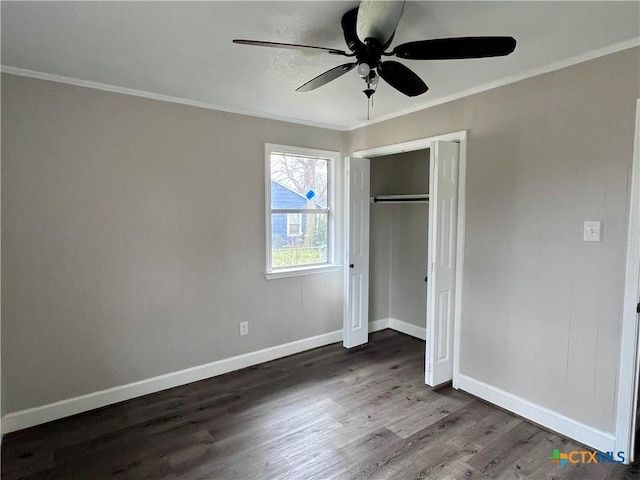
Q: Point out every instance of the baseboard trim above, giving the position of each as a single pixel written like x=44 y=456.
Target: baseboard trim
x=408 y=328
x=398 y=326
x=377 y=325
x=602 y=441
x=64 y=408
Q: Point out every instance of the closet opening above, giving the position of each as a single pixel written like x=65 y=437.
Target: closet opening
x=398 y=241
x=404 y=246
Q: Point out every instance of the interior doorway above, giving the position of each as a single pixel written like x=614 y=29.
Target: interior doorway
x=446 y=155
x=629 y=369
x=398 y=241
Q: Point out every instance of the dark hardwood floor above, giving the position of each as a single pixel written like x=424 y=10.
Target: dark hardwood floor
x=326 y=413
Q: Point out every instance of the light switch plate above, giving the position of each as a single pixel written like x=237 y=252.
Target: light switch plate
x=592 y=231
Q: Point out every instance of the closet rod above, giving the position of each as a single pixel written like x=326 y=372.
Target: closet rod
x=400 y=198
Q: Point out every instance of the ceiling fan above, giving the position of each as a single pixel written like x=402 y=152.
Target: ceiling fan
x=369 y=30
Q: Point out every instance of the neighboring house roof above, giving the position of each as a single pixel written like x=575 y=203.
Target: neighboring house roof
x=284 y=197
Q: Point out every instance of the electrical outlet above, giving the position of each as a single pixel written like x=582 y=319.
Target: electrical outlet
x=244 y=328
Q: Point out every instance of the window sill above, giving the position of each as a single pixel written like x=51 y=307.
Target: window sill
x=297 y=272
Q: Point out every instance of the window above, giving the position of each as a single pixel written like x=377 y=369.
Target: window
x=294 y=224
x=300 y=216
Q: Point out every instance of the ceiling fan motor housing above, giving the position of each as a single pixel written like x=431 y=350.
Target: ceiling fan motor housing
x=370 y=54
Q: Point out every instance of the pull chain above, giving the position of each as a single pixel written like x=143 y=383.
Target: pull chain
x=369 y=94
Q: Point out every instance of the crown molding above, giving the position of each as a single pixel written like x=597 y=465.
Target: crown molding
x=22 y=72
x=551 y=67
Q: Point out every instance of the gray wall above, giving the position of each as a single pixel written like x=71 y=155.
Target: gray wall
x=398 y=240
x=133 y=241
x=542 y=309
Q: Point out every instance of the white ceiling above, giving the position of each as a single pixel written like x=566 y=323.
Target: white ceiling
x=184 y=49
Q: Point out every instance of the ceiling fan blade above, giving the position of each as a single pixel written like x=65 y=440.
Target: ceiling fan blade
x=456 y=48
x=402 y=79
x=348 y=22
x=378 y=20
x=294 y=46
x=326 y=77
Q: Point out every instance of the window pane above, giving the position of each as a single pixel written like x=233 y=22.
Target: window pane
x=308 y=248
x=298 y=182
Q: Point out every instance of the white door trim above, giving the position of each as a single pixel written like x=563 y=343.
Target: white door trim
x=627 y=395
x=421 y=144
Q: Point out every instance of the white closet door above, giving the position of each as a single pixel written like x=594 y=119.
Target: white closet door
x=356 y=283
x=443 y=211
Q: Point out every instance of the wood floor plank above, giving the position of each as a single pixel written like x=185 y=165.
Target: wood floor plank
x=529 y=464
x=492 y=459
x=326 y=413
x=433 y=408
x=416 y=444
x=485 y=432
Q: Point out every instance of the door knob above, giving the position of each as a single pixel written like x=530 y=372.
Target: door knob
x=351 y=265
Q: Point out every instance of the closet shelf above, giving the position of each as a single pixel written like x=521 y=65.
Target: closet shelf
x=419 y=198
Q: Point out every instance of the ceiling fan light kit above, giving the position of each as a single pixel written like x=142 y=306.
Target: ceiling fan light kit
x=368 y=32
x=364 y=70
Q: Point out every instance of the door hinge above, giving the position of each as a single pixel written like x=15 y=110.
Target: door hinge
x=638 y=308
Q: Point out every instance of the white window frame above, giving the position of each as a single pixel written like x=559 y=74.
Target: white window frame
x=332 y=218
